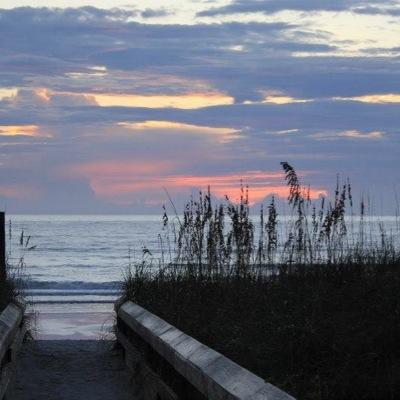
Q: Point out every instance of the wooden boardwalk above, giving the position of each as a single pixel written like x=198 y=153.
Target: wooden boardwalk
x=71 y=370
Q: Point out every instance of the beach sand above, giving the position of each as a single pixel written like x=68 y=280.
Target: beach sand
x=72 y=321
x=73 y=357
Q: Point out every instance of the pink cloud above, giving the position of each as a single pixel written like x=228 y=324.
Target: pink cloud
x=117 y=169
x=20 y=191
x=124 y=182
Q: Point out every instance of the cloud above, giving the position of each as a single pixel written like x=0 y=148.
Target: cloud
x=184 y=101
x=384 y=98
x=179 y=101
x=123 y=182
x=278 y=99
x=55 y=33
x=22 y=130
x=7 y=92
x=134 y=106
x=117 y=168
x=64 y=57
x=19 y=191
x=351 y=134
x=222 y=135
x=274 y=6
x=373 y=10
x=155 y=12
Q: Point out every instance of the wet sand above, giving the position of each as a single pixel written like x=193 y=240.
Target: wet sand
x=72 y=321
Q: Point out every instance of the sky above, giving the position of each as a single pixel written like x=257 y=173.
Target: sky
x=105 y=106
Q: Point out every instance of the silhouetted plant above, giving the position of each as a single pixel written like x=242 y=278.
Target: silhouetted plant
x=222 y=238
x=313 y=311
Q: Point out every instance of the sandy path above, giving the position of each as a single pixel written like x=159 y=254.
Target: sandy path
x=71 y=370
x=73 y=321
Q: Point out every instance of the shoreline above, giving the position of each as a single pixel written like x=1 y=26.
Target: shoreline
x=72 y=321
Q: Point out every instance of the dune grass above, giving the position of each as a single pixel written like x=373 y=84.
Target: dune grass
x=12 y=283
x=313 y=308
x=326 y=332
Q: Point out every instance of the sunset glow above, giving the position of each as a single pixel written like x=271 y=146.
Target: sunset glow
x=103 y=106
x=376 y=98
x=19 y=130
x=185 y=101
x=43 y=94
x=278 y=99
x=118 y=181
x=113 y=190
x=231 y=166
x=283 y=100
x=7 y=92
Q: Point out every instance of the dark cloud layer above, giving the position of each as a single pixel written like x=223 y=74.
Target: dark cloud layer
x=273 y=6
x=155 y=13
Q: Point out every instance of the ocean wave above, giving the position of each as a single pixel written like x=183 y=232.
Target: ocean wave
x=72 y=292
x=79 y=249
x=83 y=301
x=73 y=285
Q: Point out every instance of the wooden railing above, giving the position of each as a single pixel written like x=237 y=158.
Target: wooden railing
x=170 y=365
x=12 y=333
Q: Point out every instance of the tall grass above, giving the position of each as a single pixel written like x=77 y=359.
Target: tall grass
x=12 y=288
x=310 y=302
x=223 y=238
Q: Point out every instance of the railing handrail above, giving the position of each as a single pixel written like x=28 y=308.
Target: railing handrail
x=211 y=373
x=12 y=332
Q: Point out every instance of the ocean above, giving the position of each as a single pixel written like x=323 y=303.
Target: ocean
x=82 y=259
x=78 y=258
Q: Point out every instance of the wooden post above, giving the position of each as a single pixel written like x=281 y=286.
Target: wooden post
x=3 y=273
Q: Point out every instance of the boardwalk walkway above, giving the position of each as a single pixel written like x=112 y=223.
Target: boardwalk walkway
x=71 y=370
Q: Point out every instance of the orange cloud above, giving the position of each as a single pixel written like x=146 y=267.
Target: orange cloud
x=122 y=183
x=220 y=187
x=261 y=185
x=182 y=101
x=43 y=94
x=374 y=98
x=21 y=130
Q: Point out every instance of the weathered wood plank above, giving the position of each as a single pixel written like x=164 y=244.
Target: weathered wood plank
x=212 y=374
x=3 y=269
x=10 y=320
x=12 y=333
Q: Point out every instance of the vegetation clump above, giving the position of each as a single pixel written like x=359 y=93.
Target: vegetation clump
x=312 y=307
x=11 y=279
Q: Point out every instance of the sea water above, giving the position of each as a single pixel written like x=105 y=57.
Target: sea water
x=78 y=259
x=74 y=265
x=83 y=258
